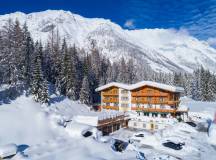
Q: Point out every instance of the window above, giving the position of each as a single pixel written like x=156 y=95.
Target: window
x=149 y=99
x=149 y=105
x=115 y=91
x=163 y=115
x=124 y=91
x=138 y=98
x=135 y=124
x=106 y=98
x=161 y=99
x=146 y=114
x=162 y=107
x=124 y=105
x=116 y=104
x=124 y=98
x=154 y=114
x=149 y=91
x=138 y=104
x=144 y=125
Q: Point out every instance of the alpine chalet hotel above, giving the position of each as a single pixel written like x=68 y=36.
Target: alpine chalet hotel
x=150 y=101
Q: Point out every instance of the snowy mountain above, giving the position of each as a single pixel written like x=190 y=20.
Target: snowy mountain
x=162 y=49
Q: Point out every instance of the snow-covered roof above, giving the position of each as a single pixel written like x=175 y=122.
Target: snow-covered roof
x=8 y=150
x=141 y=84
x=92 y=118
x=183 y=108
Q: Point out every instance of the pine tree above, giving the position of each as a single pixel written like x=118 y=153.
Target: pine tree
x=55 y=58
x=68 y=81
x=39 y=84
x=1 y=59
x=8 y=63
x=28 y=49
x=130 y=72
x=122 y=76
x=60 y=78
x=18 y=47
x=177 y=80
x=109 y=74
x=76 y=70
x=44 y=93
x=85 y=92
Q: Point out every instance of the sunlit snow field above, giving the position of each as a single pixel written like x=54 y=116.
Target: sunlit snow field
x=39 y=134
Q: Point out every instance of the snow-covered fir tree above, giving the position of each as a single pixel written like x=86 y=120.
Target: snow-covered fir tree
x=64 y=66
x=85 y=92
x=39 y=84
x=28 y=49
x=68 y=77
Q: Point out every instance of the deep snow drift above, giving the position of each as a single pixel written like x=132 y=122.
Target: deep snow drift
x=39 y=134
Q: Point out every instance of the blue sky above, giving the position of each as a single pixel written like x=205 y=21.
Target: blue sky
x=197 y=16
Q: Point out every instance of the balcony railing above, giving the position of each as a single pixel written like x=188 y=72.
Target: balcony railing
x=111 y=107
x=143 y=101
x=111 y=120
x=149 y=94
x=159 y=110
x=110 y=94
x=173 y=102
x=111 y=100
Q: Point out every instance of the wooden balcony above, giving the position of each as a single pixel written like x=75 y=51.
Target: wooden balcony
x=111 y=107
x=110 y=100
x=149 y=94
x=173 y=102
x=111 y=120
x=158 y=110
x=110 y=94
x=143 y=101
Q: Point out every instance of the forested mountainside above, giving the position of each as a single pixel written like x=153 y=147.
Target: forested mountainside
x=76 y=70
x=163 y=50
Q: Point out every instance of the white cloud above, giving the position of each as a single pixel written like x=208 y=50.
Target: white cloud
x=129 y=24
x=212 y=41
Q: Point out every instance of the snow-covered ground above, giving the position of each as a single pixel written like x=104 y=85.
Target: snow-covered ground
x=39 y=132
x=197 y=145
x=205 y=110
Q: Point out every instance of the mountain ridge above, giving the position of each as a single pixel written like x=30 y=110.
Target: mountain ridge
x=164 y=50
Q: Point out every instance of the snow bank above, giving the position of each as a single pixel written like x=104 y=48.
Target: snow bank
x=88 y=120
x=27 y=123
x=24 y=122
x=66 y=108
